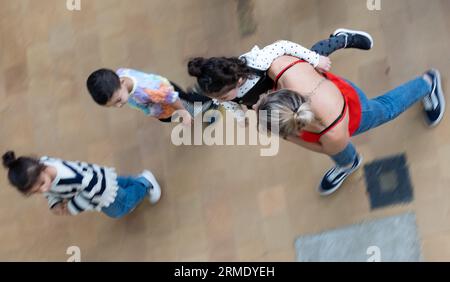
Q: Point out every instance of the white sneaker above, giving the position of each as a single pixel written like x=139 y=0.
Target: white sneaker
x=155 y=191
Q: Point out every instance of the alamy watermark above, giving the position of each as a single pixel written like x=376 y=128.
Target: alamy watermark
x=226 y=132
x=75 y=254
x=375 y=254
x=73 y=5
x=374 y=5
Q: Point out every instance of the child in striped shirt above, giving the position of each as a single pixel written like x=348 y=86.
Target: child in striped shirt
x=75 y=187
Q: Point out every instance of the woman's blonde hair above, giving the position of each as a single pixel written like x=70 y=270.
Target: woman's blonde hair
x=288 y=109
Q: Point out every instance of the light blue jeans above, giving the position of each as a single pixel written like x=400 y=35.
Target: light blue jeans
x=132 y=190
x=382 y=109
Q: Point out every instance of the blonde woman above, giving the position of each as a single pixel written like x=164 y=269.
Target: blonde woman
x=321 y=111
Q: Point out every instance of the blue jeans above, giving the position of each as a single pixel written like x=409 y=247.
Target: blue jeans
x=132 y=190
x=382 y=109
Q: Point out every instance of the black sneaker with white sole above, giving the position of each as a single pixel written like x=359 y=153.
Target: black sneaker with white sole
x=355 y=38
x=334 y=178
x=434 y=103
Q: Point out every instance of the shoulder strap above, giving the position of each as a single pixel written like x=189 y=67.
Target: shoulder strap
x=283 y=71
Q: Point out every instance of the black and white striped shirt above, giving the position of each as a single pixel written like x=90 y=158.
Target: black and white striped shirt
x=84 y=186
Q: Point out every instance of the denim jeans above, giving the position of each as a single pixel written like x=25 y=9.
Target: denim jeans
x=382 y=109
x=132 y=190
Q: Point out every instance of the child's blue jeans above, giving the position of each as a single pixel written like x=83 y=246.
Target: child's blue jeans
x=132 y=190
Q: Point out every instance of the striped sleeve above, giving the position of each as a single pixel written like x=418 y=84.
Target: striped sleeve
x=79 y=203
x=53 y=200
x=93 y=185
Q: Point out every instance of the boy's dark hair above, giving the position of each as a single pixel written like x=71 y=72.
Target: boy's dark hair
x=102 y=84
x=22 y=172
x=216 y=73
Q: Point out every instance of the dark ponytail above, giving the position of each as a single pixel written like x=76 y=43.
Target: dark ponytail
x=8 y=159
x=23 y=172
x=217 y=73
x=195 y=66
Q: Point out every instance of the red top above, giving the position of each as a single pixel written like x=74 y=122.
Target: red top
x=352 y=104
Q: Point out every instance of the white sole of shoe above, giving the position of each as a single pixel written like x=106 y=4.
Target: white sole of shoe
x=345 y=30
x=441 y=98
x=329 y=192
x=155 y=193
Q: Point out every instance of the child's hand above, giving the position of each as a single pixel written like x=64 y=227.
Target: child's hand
x=324 y=64
x=60 y=209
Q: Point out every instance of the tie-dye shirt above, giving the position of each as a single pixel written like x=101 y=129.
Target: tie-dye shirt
x=152 y=94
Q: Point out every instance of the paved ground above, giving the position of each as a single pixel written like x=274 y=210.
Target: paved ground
x=219 y=203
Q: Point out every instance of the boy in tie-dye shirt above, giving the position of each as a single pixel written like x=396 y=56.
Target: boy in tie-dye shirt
x=154 y=95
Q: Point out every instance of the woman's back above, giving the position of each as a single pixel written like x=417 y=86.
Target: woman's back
x=327 y=101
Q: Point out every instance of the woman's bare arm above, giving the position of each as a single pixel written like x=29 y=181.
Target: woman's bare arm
x=335 y=140
x=316 y=147
x=328 y=145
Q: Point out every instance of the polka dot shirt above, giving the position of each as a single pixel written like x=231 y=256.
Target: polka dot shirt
x=261 y=59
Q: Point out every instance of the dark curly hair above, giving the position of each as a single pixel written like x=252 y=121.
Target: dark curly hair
x=23 y=172
x=217 y=73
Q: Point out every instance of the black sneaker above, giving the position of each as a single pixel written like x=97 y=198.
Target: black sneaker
x=334 y=178
x=434 y=103
x=355 y=38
